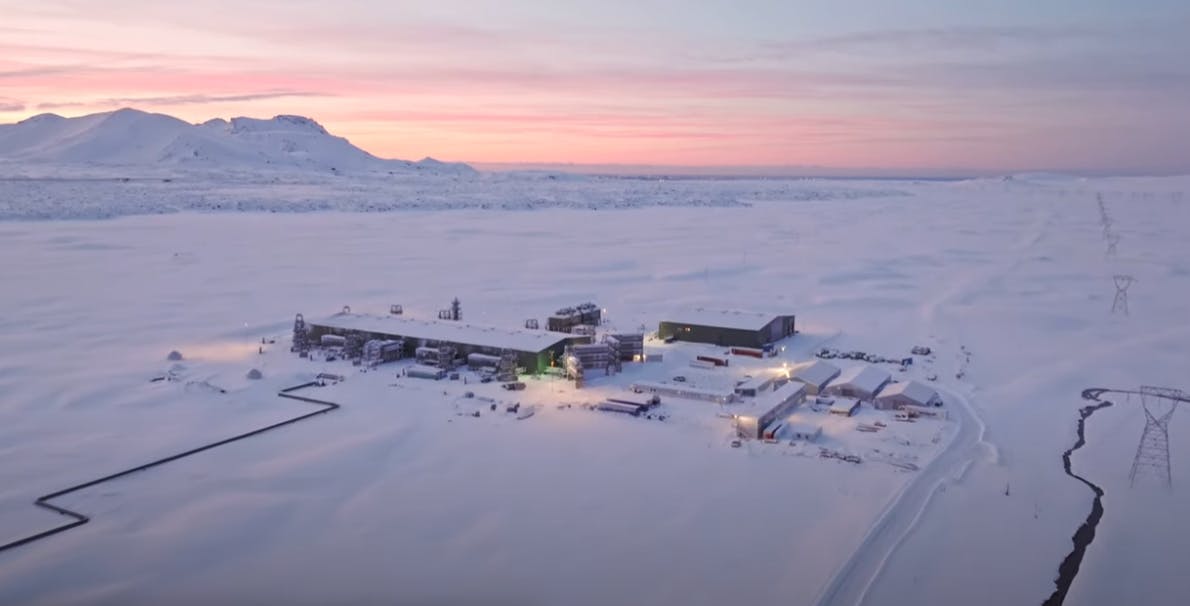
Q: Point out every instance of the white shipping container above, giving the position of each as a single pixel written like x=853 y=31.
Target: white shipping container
x=420 y=371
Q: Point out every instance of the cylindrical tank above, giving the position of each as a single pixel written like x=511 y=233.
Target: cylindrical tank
x=333 y=341
x=424 y=372
x=478 y=360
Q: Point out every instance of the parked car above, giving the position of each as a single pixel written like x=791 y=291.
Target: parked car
x=679 y=379
x=514 y=386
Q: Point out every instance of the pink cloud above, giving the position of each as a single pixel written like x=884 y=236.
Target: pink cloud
x=490 y=91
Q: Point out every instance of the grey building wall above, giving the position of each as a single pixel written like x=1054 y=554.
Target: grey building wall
x=898 y=401
x=714 y=335
x=777 y=329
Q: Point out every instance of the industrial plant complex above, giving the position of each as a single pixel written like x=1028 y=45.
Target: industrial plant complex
x=535 y=350
x=766 y=396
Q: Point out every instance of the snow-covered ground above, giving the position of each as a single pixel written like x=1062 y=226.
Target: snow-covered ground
x=396 y=497
x=84 y=194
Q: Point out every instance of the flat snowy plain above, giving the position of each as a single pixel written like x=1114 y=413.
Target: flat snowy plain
x=396 y=499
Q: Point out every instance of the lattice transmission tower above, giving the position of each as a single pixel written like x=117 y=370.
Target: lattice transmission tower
x=1152 y=454
x=301 y=336
x=1113 y=241
x=1120 y=304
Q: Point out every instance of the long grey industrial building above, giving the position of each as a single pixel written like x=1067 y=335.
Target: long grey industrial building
x=727 y=328
x=536 y=349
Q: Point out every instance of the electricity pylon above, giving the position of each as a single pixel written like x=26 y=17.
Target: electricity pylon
x=1120 y=304
x=1152 y=453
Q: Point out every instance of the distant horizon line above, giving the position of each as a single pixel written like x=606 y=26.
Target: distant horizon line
x=788 y=171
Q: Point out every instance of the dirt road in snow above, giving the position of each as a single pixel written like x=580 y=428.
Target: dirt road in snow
x=850 y=584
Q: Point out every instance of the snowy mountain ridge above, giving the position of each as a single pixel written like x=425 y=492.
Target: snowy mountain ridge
x=130 y=137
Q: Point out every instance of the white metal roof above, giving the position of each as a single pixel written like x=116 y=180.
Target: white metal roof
x=681 y=387
x=780 y=395
x=450 y=331
x=760 y=381
x=814 y=372
x=915 y=391
x=863 y=377
x=725 y=318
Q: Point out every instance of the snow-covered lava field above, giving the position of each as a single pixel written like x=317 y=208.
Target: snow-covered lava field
x=403 y=496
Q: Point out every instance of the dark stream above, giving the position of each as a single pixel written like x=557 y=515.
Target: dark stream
x=1068 y=569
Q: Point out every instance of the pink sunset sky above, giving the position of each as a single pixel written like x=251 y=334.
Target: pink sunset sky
x=1084 y=86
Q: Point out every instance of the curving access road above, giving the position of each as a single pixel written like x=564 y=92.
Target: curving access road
x=851 y=583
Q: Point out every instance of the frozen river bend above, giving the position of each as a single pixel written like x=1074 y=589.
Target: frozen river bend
x=395 y=497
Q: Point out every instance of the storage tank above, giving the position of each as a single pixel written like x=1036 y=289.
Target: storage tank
x=478 y=360
x=333 y=340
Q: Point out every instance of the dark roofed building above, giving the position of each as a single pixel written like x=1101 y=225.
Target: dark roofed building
x=727 y=328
